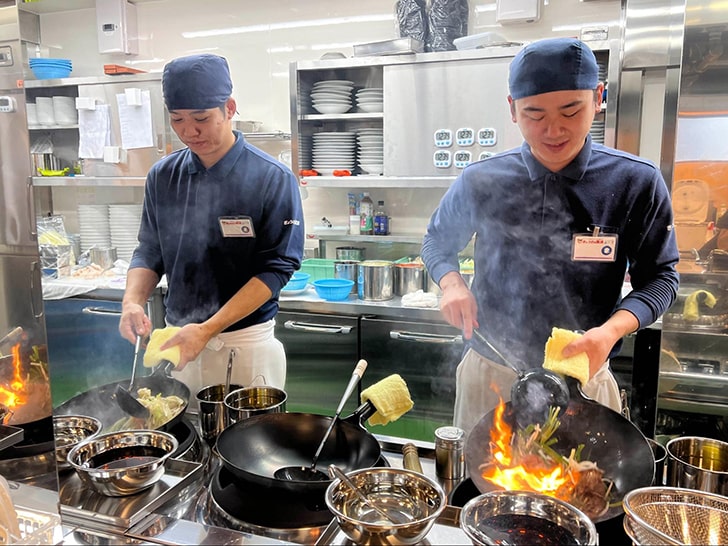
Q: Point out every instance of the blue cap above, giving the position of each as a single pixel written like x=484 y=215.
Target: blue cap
x=197 y=82
x=555 y=64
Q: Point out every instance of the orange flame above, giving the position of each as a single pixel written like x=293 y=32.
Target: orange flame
x=16 y=395
x=527 y=474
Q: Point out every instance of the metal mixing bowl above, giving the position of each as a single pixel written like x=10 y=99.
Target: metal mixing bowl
x=524 y=517
x=122 y=463
x=69 y=431
x=409 y=496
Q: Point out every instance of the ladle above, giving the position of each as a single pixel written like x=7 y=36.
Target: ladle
x=124 y=398
x=535 y=390
x=229 y=373
x=309 y=473
x=336 y=472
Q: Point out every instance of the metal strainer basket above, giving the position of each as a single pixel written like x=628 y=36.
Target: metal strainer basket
x=671 y=515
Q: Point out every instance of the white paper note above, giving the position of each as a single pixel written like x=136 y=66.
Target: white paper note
x=94 y=128
x=135 y=122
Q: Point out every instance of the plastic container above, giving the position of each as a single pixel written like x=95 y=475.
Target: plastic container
x=298 y=281
x=318 y=268
x=333 y=289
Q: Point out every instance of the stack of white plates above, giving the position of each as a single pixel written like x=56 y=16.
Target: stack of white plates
x=94 y=229
x=124 y=223
x=332 y=96
x=65 y=111
x=334 y=151
x=370 y=152
x=597 y=132
x=370 y=99
x=305 y=144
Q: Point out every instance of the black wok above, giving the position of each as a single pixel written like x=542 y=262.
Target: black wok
x=613 y=442
x=100 y=402
x=254 y=448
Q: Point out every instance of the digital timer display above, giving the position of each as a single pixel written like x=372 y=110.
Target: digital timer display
x=465 y=137
x=442 y=159
x=462 y=158
x=443 y=138
x=487 y=136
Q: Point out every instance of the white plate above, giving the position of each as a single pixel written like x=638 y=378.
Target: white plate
x=373 y=107
x=333 y=82
x=332 y=108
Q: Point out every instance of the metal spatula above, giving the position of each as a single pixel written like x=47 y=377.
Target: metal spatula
x=124 y=398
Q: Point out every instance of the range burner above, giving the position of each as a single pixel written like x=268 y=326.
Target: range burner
x=255 y=509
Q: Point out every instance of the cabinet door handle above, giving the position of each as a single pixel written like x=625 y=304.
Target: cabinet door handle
x=426 y=338
x=317 y=328
x=101 y=311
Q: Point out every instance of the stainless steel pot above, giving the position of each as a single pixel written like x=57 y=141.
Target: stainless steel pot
x=408 y=278
x=375 y=279
x=346 y=269
x=698 y=463
x=243 y=403
x=350 y=253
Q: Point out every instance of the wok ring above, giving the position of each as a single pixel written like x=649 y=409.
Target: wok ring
x=613 y=442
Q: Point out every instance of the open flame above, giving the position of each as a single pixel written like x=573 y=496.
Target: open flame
x=13 y=394
x=514 y=473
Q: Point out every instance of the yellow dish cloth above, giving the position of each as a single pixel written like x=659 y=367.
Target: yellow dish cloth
x=391 y=397
x=691 y=309
x=154 y=355
x=575 y=366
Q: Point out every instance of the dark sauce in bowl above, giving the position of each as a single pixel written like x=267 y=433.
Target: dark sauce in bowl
x=126 y=457
x=522 y=529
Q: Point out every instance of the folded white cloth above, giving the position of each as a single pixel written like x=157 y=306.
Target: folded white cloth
x=419 y=299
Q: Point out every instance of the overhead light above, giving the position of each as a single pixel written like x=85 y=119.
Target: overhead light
x=290 y=24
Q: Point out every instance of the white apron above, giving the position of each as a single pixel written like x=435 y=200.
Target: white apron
x=258 y=356
x=480 y=382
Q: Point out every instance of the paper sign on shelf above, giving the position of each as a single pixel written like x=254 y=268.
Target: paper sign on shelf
x=133 y=96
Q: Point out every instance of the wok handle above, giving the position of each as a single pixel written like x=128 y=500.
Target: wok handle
x=361 y=414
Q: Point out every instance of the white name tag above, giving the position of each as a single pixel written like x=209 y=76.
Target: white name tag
x=588 y=248
x=236 y=226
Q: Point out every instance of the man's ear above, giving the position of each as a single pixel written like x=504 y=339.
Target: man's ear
x=231 y=108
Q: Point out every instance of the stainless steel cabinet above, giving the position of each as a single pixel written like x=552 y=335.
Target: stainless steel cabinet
x=425 y=354
x=321 y=351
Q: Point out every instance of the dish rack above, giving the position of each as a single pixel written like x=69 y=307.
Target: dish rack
x=36 y=527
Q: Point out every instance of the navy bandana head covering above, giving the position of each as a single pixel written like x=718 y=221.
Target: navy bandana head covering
x=555 y=64
x=197 y=82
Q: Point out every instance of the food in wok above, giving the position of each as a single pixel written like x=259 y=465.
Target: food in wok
x=524 y=459
x=162 y=409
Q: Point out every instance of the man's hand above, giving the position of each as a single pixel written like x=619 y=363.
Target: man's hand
x=457 y=303
x=134 y=321
x=191 y=339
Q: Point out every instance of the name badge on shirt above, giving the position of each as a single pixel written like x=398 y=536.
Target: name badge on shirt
x=593 y=247
x=236 y=226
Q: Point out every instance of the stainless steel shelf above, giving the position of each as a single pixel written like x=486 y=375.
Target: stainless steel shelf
x=89 y=181
x=370 y=181
x=341 y=117
x=414 y=239
x=51 y=127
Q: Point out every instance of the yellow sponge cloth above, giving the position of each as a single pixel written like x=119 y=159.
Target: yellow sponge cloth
x=575 y=366
x=391 y=397
x=154 y=355
x=691 y=309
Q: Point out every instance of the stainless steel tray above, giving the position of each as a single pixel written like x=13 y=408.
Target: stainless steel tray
x=445 y=531
x=399 y=46
x=84 y=507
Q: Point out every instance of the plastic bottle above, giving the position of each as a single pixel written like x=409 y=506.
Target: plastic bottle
x=366 y=214
x=381 y=220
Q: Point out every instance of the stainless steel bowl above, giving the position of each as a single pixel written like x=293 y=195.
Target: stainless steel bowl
x=69 y=431
x=524 y=517
x=122 y=463
x=695 y=462
x=410 y=496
